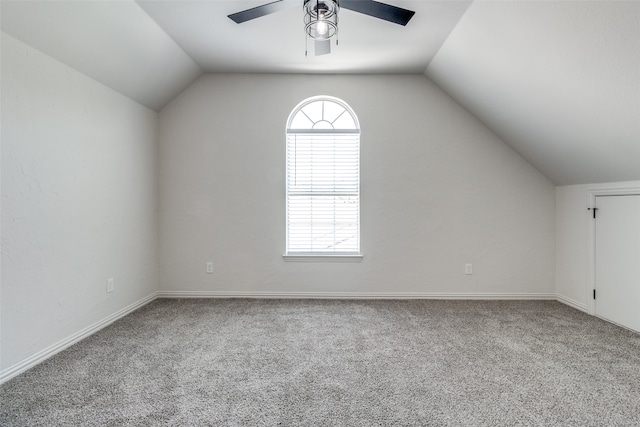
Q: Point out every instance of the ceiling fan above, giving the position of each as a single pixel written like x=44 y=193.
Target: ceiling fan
x=321 y=16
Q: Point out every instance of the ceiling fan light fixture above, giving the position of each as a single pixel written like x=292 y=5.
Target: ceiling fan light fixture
x=321 y=18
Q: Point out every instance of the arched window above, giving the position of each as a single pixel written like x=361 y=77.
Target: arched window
x=323 y=179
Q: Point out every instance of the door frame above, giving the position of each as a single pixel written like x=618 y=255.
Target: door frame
x=591 y=236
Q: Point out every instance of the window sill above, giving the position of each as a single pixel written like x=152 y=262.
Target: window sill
x=322 y=257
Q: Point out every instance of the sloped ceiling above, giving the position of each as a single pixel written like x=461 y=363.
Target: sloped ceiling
x=276 y=43
x=150 y=50
x=113 y=42
x=559 y=81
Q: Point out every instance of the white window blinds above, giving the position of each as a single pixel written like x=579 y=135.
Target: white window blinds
x=323 y=181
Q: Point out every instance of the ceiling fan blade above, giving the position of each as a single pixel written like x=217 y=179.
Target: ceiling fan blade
x=390 y=13
x=265 y=9
x=323 y=47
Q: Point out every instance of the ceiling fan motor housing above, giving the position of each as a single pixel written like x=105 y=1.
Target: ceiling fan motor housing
x=321 y=18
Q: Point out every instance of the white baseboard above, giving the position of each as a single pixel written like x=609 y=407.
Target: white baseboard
x=41 y=356
x=355 y=295
x=572 y=303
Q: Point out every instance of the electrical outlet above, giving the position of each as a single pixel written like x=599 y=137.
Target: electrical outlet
x=209 y=267
x=110 y=284
x=468 y=269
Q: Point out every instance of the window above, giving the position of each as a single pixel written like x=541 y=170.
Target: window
x=323 y=179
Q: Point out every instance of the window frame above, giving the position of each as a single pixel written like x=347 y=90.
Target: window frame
x=347 y=256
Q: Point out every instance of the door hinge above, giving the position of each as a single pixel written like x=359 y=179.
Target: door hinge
x=594 y=211
x=594 y=294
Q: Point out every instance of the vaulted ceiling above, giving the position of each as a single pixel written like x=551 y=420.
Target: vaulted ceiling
x=559 y=81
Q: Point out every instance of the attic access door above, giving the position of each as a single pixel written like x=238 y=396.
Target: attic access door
x=617 y=259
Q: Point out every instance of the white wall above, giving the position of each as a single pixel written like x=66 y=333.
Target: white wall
x=573 y=225
x=438 y=190
x=79 y=202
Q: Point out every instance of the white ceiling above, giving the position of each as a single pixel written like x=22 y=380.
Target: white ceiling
x=276 y=43
x=151 y=50
x=558 y=80
x=113 y=42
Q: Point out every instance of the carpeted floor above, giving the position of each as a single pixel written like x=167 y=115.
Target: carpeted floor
x=327 y=362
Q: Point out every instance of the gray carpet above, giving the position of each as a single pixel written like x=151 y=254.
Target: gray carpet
x=324 y=362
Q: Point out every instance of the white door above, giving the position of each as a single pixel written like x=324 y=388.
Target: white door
x=617 y=273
